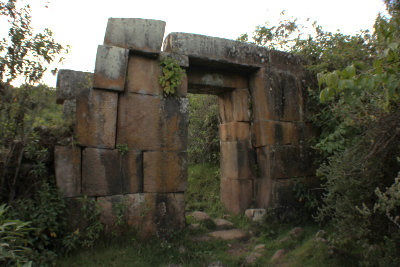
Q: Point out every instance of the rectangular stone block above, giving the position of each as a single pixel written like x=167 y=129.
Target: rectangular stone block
x=149 y=213
x=143 y=75
x=101 y=175
x=276 y=96
x=234 y=131
x=131 y=166
x=153 y=123
x=72 y=83
x=144 y=35
x=263 y=192
x=236 y=195
x=182 y=60
x=110 y=68
x=164 y=171
x=204 y=80
x=286 y=161
x=96 y=119
x=274 y=133
x=69 y=109
x=234 y=106
x=67 y=164
x=237 y=160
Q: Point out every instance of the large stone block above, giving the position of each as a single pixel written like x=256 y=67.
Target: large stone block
x=286 y=161
x=203 y=80
x=153 y=123
x=131 y=166
x=69 y=109
x=67 y=163
x=71 y=83
x=237 y=160
x=96 y=118
x=276 y=96
x=234 y=106
x=236 y=195
x=144 y=35
x=165 y=171
x=149 y=213
x=110 y=68
x=182 y=60
x=263 y=191
x=274 y=133
x=234 y=131
x=143 y=74
x=101 y=175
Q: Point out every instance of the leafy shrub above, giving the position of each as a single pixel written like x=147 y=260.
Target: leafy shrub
x=203 y=132
x=15 y=248
x=172 y=75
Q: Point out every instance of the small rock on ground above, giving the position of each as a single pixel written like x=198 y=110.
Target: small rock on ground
x=278 y=255
x=232 y=234
x=259 y=247
x=256 y=215
x=200 y=216
x=223 y=224
x=253 y=257
x=296 y=232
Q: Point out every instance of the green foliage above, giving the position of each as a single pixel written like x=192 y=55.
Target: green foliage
x=123 y=149
x=23 y=53
x=203 y=131
x=27 y=115
x=46 y=214
x=203 y=192
x=15 y=248
x=172 y=75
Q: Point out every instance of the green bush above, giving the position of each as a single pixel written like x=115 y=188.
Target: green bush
x=203 y=133
x=15 y=247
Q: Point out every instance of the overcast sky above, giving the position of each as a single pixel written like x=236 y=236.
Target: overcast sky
x=82 y=23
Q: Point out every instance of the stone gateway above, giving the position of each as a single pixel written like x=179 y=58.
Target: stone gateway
x=263 y=109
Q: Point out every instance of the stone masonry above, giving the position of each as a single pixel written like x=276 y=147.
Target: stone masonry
x=263 y=113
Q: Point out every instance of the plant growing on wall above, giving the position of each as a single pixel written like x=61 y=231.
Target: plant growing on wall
x=172 y=75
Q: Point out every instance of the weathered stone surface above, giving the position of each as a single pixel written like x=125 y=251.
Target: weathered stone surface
x=218 y=49
x=164 y=171
x=144 y=35
x=274 y=133
x=143 y=74
x=257 y=215
x=108 y=210
x=232 y=234
x=67 y=161
x=96 y=119
x=182 y=60
x=202 y=80
x=131 y=166
x=276 y=96
x=200 y=216
x=101 y=174
x=285 y=161
x=278 y=255
x=110 y=68
x=72 y=83
x=263 y=192
x=234 y=106
x=236 y=195
x=69 y=109
x=152 y=123
x=223 y=224
x=234 y=131
x=237 y=160
x=156 y=213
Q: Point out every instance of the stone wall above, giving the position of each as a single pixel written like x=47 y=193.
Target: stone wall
x=263 y=113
